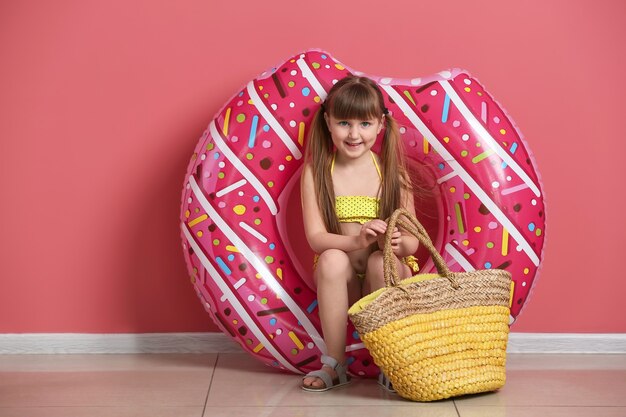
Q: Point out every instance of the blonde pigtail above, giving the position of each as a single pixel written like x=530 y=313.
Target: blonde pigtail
x=395 y=177
x=318 y=154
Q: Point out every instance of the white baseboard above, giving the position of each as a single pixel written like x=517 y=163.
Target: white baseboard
x=73 y=343
x=70 y=343
x=567 y=343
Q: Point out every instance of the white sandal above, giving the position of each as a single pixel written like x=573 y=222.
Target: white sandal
x=329 y=383
x=385 y=382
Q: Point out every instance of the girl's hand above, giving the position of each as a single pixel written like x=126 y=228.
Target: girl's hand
x=396 y=240
x=371 y=232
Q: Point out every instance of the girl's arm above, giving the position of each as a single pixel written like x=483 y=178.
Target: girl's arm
x=403 y=243
x=408 y=243
x=316 y=234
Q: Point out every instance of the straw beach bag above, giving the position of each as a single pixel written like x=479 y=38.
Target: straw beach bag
x=436 y=336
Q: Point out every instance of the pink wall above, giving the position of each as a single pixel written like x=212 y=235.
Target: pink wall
x=102 y=102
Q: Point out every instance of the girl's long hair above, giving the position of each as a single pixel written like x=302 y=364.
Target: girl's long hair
x=356 y=98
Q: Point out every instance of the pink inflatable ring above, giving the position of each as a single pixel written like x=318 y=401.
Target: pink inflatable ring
x=238 y=233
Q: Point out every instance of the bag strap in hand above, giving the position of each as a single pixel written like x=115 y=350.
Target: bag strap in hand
x=414 y=227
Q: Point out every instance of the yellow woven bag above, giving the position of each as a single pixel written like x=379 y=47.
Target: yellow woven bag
x=436 y=336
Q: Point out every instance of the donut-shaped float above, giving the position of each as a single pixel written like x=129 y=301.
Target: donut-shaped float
x=240 y=238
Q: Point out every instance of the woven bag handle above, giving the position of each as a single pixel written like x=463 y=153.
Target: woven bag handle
x=414 y=227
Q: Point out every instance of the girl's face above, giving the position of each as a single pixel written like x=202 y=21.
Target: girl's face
x=353 y=137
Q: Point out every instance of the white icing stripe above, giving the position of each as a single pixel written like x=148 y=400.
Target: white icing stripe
x=267 y=115
x=467 y=179
x=459 y=258
x=230 y=296
x=239 y=283
x=253 y=232
x=310 y=77
x=486 y=136
x=265 y=195
x=356 y=346
x=446 y=177
x=259 y=265
x=231 y=187
x=515 y=189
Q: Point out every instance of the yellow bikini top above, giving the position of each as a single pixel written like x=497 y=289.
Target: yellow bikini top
x=356 y=208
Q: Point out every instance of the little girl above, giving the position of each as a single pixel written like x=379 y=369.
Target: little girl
x=347 y=192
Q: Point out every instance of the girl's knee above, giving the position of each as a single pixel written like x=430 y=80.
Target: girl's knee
x=333 y=263
x=375 y=273
x=333 y=258
x=375 y=262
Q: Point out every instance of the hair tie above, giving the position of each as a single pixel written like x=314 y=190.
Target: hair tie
x=385 y=111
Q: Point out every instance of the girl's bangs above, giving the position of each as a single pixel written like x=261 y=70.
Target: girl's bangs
x=357 y=102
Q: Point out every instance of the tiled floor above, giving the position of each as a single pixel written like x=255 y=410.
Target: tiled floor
x=237 y=385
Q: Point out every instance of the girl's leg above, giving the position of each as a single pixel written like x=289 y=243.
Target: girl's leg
x=375 y=279
x=374 y=276
x=336 y=284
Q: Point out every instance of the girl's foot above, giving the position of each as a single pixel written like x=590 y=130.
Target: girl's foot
x=332 y=375
x=316 y=382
